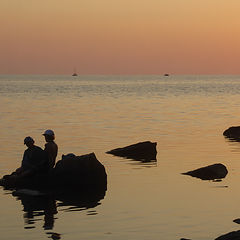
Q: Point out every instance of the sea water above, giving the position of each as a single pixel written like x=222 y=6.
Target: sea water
x=185 y=115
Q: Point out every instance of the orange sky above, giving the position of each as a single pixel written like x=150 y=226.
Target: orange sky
x=120 y=36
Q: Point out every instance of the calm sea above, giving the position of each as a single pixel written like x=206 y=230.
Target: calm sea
x=185 y=115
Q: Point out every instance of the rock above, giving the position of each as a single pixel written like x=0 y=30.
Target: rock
x=144 y=151
x=237 y=220
x=84 y=171
x=75 y=172
x=211 y=172
x=235 y=235
x=28 y=192
x=232 y=132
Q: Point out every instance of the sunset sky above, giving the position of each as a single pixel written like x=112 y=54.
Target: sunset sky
x=120 y=36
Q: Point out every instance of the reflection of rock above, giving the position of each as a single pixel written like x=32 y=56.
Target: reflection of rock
x=232 y=132
x=85 y=199
x=55 y=236
x=145 y=151
x=230 y=236
x=72 y=200
x=211 y=172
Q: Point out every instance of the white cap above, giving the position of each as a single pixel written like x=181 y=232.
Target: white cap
x=49 y=132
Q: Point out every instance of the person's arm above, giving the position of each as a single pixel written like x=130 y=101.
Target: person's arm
x=49 y=151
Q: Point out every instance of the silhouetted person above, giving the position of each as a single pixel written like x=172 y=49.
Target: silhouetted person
x=34 y=159
x=33 y=163
x=51 y=148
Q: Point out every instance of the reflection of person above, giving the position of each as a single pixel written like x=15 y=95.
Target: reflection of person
x=51 y=148
x=34 y=160
x=39 y=206
x=34 y=163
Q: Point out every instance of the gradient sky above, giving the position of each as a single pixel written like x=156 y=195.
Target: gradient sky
x=120 y=36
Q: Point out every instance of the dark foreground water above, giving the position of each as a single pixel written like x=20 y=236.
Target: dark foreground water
x=185 y=115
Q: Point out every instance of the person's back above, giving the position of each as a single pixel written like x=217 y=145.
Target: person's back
x=34 y=159
x=51 y=148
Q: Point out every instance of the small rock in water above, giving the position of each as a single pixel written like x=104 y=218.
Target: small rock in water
x=211 y=172
x=235 y=235
x=232 y=132
x=143 y=151
x=237 y=220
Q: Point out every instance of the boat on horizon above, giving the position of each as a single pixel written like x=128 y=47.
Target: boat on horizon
x=74 y=73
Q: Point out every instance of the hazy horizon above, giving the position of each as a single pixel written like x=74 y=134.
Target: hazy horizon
x=120 y=37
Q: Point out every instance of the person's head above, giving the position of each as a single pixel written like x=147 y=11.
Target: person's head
x=28 y=141
x=49 y=135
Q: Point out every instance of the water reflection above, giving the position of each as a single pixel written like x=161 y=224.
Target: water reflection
x=151 y=159
x=79 y=202
x=234 y=143
x=35 y=207
x=139 y=162
x=47 y=206
x=232 y=139
x=143 y=163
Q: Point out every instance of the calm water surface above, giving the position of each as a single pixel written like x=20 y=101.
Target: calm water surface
x=185 y=115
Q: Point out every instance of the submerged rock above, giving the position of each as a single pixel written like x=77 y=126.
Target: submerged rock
x=144 y=151
x=211 y=172
x=235 y=235
x=232 y=132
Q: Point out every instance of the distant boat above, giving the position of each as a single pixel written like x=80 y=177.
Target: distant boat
x=74 y=73
x=166 y=74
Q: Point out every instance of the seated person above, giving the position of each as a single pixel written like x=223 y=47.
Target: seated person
x=34 y=160
x=51 y=148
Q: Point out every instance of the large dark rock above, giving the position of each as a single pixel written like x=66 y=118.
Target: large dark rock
x=211 y=172
x=144 y=151
x=232 y=132
x=235 y=235
x=82 y=171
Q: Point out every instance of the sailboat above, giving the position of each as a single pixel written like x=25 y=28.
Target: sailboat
x=74 y=73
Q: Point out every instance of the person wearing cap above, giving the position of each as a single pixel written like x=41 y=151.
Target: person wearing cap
x=34 y=159
x=51 y=148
